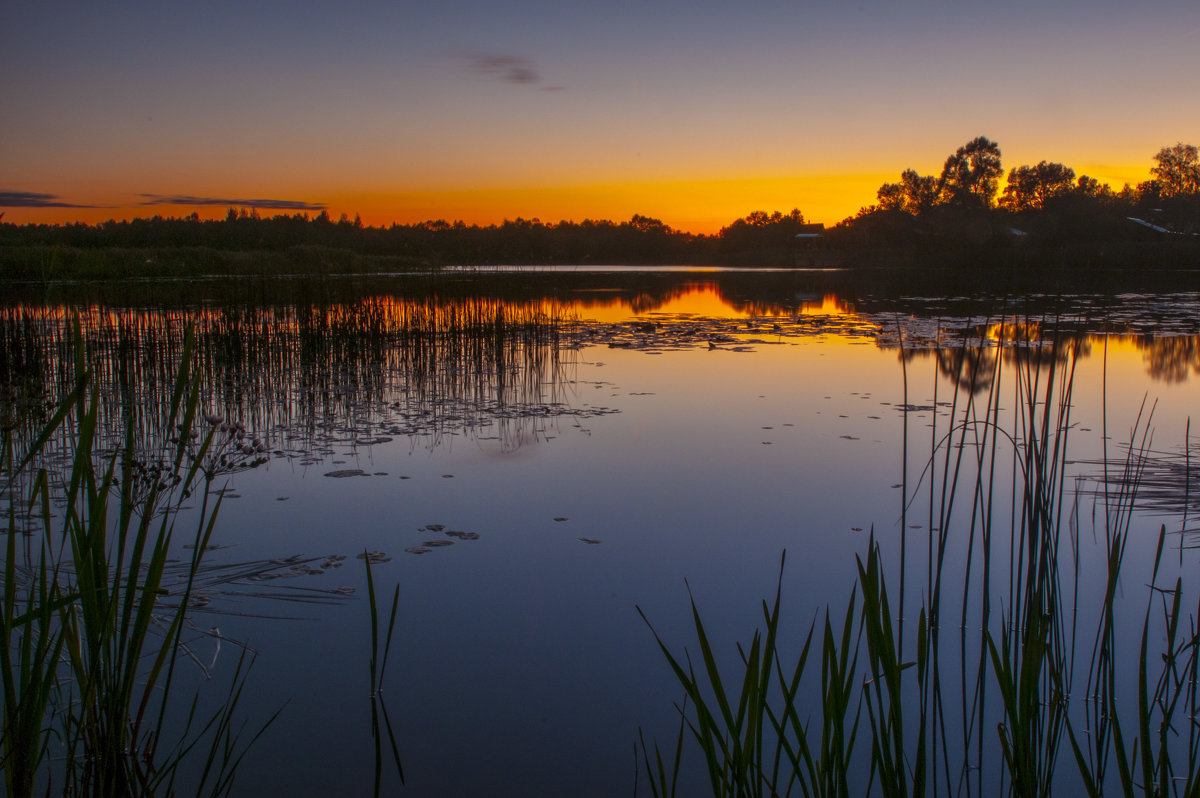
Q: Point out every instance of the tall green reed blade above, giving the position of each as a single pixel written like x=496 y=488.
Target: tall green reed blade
x=753 y=737
x=899 y=767
x=1032 y=662
x=226 y=749
x=839 y=688
x=1147 y=764
x=729 y=728
x=1101 y=691
x=85 y=676
x=1030 y=684
x=791 y=731
x=1027 y=654
x=119 y=590
x=29 y=681
x=719 y=757
x=378 y=666
x=181 y=418
x=662 y=784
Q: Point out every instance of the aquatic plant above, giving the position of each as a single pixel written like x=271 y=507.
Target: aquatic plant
x=91 y=651
x=1166 y=700
x=381 y=723
x=293 y=376
x=1018 y=576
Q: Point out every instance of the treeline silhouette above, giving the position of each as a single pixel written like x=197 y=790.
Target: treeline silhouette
x=642 y=239
x=961 y=210
x=1041 y=204
x=515 y=241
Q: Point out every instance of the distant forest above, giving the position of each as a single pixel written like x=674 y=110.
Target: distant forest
x=1044 y=210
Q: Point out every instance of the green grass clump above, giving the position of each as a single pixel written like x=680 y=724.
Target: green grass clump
x=993 y=691
x=90 y=650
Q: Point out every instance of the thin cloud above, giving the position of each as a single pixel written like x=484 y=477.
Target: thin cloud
x=31 y=199
x=515 y=69
x=509 y=68
x=272 y=204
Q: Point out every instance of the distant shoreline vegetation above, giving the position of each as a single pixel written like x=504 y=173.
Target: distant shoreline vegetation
x=1044 y=217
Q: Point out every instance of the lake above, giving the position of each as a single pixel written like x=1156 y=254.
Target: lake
x=536 y=454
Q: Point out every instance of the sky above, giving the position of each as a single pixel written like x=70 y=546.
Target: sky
x=693 y=112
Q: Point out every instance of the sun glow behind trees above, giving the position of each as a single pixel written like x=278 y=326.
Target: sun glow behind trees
x=970 y=178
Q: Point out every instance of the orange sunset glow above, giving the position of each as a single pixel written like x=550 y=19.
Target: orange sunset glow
x=692 y=115
x=701 y=206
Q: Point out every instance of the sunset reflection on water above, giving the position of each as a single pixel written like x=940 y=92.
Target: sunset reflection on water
x=590 y=447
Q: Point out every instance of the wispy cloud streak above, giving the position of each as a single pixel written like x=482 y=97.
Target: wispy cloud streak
x=31 y=199
x=189 y=200
x=515 y=69
x=509 y=68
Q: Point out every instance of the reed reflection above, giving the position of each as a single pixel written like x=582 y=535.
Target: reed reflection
x=303 y=378
x=967 y=354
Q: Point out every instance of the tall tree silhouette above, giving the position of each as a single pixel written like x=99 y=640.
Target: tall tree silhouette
x=1177 y=170
x=971 y=175
x=1030 y=186
x=915 y=193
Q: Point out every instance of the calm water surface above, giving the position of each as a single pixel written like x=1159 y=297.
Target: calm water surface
x=599 y=443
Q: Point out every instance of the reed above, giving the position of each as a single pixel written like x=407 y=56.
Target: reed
x=1158 y=760
x=730 y=726
x=90 y=649
x=381 y=724
x=296 y=376
x=997 y=711
x=898 y=762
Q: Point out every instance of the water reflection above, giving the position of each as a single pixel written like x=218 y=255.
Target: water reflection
x=428 y=366
x=682 y=482
x=969 y=356
x=1171 y=358
x=303 y=378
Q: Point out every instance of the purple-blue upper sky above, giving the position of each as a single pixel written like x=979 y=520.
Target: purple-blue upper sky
x=696 y=112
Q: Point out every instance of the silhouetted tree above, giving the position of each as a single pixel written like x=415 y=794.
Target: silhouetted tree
x=890 y=197
x=763 y=237
x=914 y=194
x=1177 y=170
x=971 y=175
x=648 y=224
x=1091 y=187
x=1148 y=192
x=792 y=220
x=1030 y=186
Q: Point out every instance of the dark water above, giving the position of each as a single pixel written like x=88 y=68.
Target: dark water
x=584 y=443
